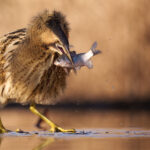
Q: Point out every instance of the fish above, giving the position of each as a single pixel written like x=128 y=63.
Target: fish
x=79 y=60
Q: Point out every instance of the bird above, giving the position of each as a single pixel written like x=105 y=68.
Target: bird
x=27 y=71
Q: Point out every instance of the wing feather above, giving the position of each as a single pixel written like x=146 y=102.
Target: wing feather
x=8 y=43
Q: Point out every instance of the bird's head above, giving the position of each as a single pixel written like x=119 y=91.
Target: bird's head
x=51 y=32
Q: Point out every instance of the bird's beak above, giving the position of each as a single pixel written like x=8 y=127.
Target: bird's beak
x=65 y=50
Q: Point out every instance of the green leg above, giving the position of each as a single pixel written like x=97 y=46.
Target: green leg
x=2 y=128
x=54 y=127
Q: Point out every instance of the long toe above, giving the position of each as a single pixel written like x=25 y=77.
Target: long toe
x=66 y=130
x=21 y=131
x=59 y=129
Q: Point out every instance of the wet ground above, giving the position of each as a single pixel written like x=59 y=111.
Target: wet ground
x=96 y=129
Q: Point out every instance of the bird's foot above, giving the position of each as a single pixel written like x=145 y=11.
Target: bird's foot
x=54 y=127
x=3 y=130
x=59 y=129
x=19 y=131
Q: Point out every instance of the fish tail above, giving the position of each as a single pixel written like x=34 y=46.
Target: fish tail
x=94 y=50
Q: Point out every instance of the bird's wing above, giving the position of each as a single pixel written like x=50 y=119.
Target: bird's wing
x=8 y=43
x=11 y=40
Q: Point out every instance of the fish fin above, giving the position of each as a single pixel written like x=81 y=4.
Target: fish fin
x=94 y=45
x=94 y=50
x=89 y=64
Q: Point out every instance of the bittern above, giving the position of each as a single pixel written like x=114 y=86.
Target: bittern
x=27 y=71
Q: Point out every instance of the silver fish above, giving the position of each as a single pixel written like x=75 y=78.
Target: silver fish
x=81 y=59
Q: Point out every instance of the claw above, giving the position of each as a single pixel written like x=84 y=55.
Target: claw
x=20 y=131
x=59 y=129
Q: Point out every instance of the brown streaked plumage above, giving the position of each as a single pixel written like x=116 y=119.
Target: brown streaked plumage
x=27 y=70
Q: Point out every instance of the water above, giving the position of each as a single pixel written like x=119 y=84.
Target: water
x=96 y=130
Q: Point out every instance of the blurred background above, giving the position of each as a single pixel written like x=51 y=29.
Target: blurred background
x=120 y=79
x=122 y=30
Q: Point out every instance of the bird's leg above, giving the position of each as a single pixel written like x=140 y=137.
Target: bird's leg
x=54 y=127
x=2 y=128
x=39 y=122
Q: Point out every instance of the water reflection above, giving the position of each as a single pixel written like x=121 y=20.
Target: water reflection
x=121 y=121
x=25 y=143
x=34 y=143
x=0 y=141
x=46 y=142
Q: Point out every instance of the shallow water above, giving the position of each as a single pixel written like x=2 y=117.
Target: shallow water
x=96 y=130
